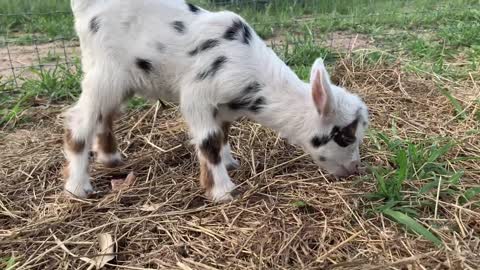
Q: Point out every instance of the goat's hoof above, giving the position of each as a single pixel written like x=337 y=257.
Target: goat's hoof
x=233 y=165
x=222 y=193
x=225 y=198
x=113 y=163
x=79 y=190
x=110 y=160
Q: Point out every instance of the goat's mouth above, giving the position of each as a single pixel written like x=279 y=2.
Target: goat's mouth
x=343 y=172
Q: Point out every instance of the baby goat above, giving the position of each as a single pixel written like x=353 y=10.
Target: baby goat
x=216 y=67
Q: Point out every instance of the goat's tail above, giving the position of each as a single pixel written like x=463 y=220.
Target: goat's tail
x=78 y=6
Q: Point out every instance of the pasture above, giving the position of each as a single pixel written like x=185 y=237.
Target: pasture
x=416 y=64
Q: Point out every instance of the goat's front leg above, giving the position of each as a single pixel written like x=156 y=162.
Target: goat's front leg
x=105 y=144
x=208 y=137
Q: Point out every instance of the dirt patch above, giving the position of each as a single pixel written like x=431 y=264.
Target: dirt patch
x=349 y=41
x=341 y=41
x=16 y=60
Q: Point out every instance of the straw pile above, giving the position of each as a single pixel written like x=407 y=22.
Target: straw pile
x=289 y=215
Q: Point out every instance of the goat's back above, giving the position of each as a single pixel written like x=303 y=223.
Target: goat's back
x=168 y=38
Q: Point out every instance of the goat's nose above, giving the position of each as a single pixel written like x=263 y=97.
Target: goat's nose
x=354 y=167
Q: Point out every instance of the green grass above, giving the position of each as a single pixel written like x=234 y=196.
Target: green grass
x=469 y=195
x=56 y=85
x=411 y=224
x=414 y=171
x=21 y=21
x=8 y=263
x=451 y=27
x=477 y=115
x=33 y=6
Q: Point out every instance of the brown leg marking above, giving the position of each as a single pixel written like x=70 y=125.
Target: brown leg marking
x=106 y=140
x=210 y=153
x=206 y=177
x=71 y=144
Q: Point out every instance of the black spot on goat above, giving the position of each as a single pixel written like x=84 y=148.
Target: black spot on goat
x=213 y=69
x=144 y=65
x=238 y=30
x=94 y=25
x=342 y=136
x=179 y=26
x=246 y=98
x=211 y=147
x=257 y=105
x=205 y=46
x=193 y=8
x=345 y=136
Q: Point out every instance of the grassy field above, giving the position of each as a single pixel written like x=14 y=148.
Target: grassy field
x=416 y=64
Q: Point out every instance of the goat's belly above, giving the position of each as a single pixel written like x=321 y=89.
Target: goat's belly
x=159 y=89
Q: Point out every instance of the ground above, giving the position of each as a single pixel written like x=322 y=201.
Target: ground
x=417 y=207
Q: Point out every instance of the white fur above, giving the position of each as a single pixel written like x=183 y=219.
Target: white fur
x=78 y=183
x=223 y=186
x=230 y=162
x=135 y=29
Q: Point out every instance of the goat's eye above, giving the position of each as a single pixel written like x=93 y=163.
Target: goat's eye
x=318 y=141
x=344 y=139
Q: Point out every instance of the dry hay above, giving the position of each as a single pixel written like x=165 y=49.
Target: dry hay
x=163 y=220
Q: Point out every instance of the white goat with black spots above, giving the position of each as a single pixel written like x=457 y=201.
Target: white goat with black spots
x=215 y=66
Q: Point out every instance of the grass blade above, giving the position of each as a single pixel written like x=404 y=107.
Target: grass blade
x=469 y=195
x=402 y=172
x=454 y=180
x=456 y=104
x=10 y=263
x=438 y=152
x=429 y=186
x=412 y=224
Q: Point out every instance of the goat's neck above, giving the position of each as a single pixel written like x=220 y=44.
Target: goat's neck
x=289 y=109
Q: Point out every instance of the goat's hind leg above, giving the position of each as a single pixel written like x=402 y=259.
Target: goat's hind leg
x=97 y=99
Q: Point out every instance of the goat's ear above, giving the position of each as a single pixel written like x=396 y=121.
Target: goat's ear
x=321 y=88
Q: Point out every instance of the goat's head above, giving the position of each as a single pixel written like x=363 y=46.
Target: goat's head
x=340 y=120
